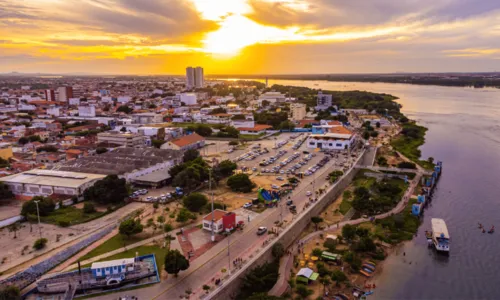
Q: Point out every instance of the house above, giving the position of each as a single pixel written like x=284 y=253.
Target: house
x=192 y=141
x=336 y=138
x=222 y=221
x=256 y=130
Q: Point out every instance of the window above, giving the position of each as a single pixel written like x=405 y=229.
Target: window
x=311 y=143
x=338 y=145
x=330 y=144
x=220 y=226
x=206 y=225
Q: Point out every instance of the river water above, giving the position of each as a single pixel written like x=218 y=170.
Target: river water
x=464 y=132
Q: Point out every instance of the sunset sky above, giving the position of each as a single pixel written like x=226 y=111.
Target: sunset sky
x=249 y=36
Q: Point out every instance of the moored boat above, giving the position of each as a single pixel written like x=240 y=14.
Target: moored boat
x=440 y=235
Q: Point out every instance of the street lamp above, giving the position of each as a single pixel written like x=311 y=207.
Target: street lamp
x=38 y=214
x=211 y=191
x=228 y=254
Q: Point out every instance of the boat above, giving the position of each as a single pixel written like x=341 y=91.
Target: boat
x=367 y=274
x=369 y=267
x=440 y=235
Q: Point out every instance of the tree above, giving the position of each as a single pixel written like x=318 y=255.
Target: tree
x=308 y=126
x=123 y=129
x=233 y=143
x=265 y=103
x=407 y=165
x=240 y=183
x=430 y=159
x=218 y=110
x=167 y=227
x=330 y=245
x=5 y=192
x=382 y=161
x=366 y=135
x=195 y=201
x=124 y=109
x=303 y=291
x=45 y=206
x=203 y=130
x=10 y=292
x=316 y=220
x=232 y=132
x=338 y=276
x=366 y=244
x=157 y=143
x=175 y=262
x=108 y=190
x=287 y=125
x=206 y=288
x=23 y=140
x=14 y=227
x=130 y=227
x=40 y=243
x=349 y=232
x=374 y=134
x=155 y=206
x=4 y=163
x=377 y=124
x=184 y=215
x=160 y=219
x=325 y=280
x=278 y=250
x=317 y=252
x=189 y=178
x=190 y=155
x=225 y=168
x=88 y=208
x=101 y=150
x=264 y=296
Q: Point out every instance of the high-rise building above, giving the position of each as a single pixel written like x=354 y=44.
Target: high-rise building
x=64 y=93
x=194 y=77
x=50 y=95
x=324 y=101
x=298 y=111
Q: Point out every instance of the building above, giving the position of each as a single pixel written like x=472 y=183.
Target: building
x=192 y=141
x=374 y=119
x=188 y=98
x=336 y=138
x=53 y=111
x=147 y=118
x=50 y=95
x=86 y=111
x=144 y=166
x=125 y=139
x=5 y=150
x=271 y=97
x=323 y=101
x=194 y=77
x=297 y=111
x=112 y=267
x=257 y=129
x=64 y=93
x=222 y=221
x=39 y=182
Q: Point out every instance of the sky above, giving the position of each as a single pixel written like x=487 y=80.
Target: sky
x=249 y=36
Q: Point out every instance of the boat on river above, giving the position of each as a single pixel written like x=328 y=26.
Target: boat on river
x=440 y=235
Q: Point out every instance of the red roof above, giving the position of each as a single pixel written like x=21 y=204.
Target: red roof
x=334 y=123
x=340 y=130
x=188 y=140
x=218 y=214
x=257 y=127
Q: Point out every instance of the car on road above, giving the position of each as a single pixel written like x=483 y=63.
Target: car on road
x=261 y=230
x=149 y=199
x=309 y=193
x=274 y=186
x=280 y=178
x=247 y=205
x=289 y=202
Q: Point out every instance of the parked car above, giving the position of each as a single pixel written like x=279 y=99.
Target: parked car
x=309 y=193
x=261 y=230
x=289 y=202
x=280 y=178
x=274 y=186
x=247 y=205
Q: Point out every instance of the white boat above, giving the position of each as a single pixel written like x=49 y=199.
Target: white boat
x=440 y=235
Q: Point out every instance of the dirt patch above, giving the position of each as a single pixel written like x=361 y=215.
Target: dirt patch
x=10 y=208
x=232 y=200
x=331 y=214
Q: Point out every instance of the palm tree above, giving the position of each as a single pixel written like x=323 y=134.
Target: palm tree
x=14 y=227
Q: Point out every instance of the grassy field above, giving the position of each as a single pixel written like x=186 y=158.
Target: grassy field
x=409 y=146
x=251 y=137
x=113 y=243
x=70 y=215
x=399 y=227
x=141 y=250
x=345 y=206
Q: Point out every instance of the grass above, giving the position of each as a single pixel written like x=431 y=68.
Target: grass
x=113 y=243
x=251 y=137
x=345 y=206
x=70 y=215
x=409 y=146
x=141 y=250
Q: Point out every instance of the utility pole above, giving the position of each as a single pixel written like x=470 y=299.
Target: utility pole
x=212 y=195
x=38 y=214
x=228 y=254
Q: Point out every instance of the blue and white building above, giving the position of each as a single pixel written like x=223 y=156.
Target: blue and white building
x=112 y=267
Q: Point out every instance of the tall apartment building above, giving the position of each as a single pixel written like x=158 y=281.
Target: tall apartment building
x=50 y=95
x=194 y=77
x=298 y=111
x=324 y=101
x=64 y=93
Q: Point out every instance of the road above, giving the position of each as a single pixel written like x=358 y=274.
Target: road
x=242 y=244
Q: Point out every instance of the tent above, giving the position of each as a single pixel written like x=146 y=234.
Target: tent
x=305 y=275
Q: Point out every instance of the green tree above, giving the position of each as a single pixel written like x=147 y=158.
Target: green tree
x=303 y=291
x=317 y=252
x=407 y=165
x=324 y=280
x=430 y=159
x=349 y=232
x=316 y=220
x=108 y=190
x=206 y=288
x=278 y=250
x=203 y=130
x=366 y=135
x=167 y=227
x=287 y=125
x=45 y=206
x=124 y=109
x=14 y=227
x=232 y=132
x=184 y=215
x=338 y=276
x=157 y=143
x=23 y=140
x=374 y=134
x=175 y=262
x=130 y=227
x=4 y=163
x=40 y=243
x=88 y=208
x=259 y=280
x=264 y=296
x=160 y=219
x=377 y=124
x=10 y=292
x=382 y=161
x=190 y=155
x=330 y=245
x=240 y=183
x=265 y=103
x=189 y=178
x=195 y=201
x=225 y=168
x=101 y=150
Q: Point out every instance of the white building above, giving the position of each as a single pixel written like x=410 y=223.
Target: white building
x=74 y=101
x=147 y=118
x=86 y=111
x=323 y=101
x=124 y=99
x=336 y=138
x=188 y=98
x=298 y=111
x=122 y=139
x=106 y=99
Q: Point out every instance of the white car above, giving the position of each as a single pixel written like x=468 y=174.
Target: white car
x=274 y=186
x=280 y=178
x=149 y=199
x=309 y=193
x=247 y=205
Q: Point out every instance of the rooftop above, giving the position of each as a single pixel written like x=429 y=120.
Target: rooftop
x=52 y=178
x=112 y=263
x=257 y=127
x=188 y=140
x=218 y=214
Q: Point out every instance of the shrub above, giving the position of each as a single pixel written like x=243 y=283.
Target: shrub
x=167 y=227
x=184 y=215
x=317 y=252
x=240 y=183
x=233 y=143
x=88 y=208
x=40 y=243
x=45 y=206
x=63 y=223
x=195 y=201
x=407 y=165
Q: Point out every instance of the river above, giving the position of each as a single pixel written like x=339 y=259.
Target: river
x=464 y=132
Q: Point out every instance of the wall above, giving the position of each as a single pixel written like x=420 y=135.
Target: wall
x=230 y=289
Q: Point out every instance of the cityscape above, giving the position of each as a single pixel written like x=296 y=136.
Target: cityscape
x=217 y=158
